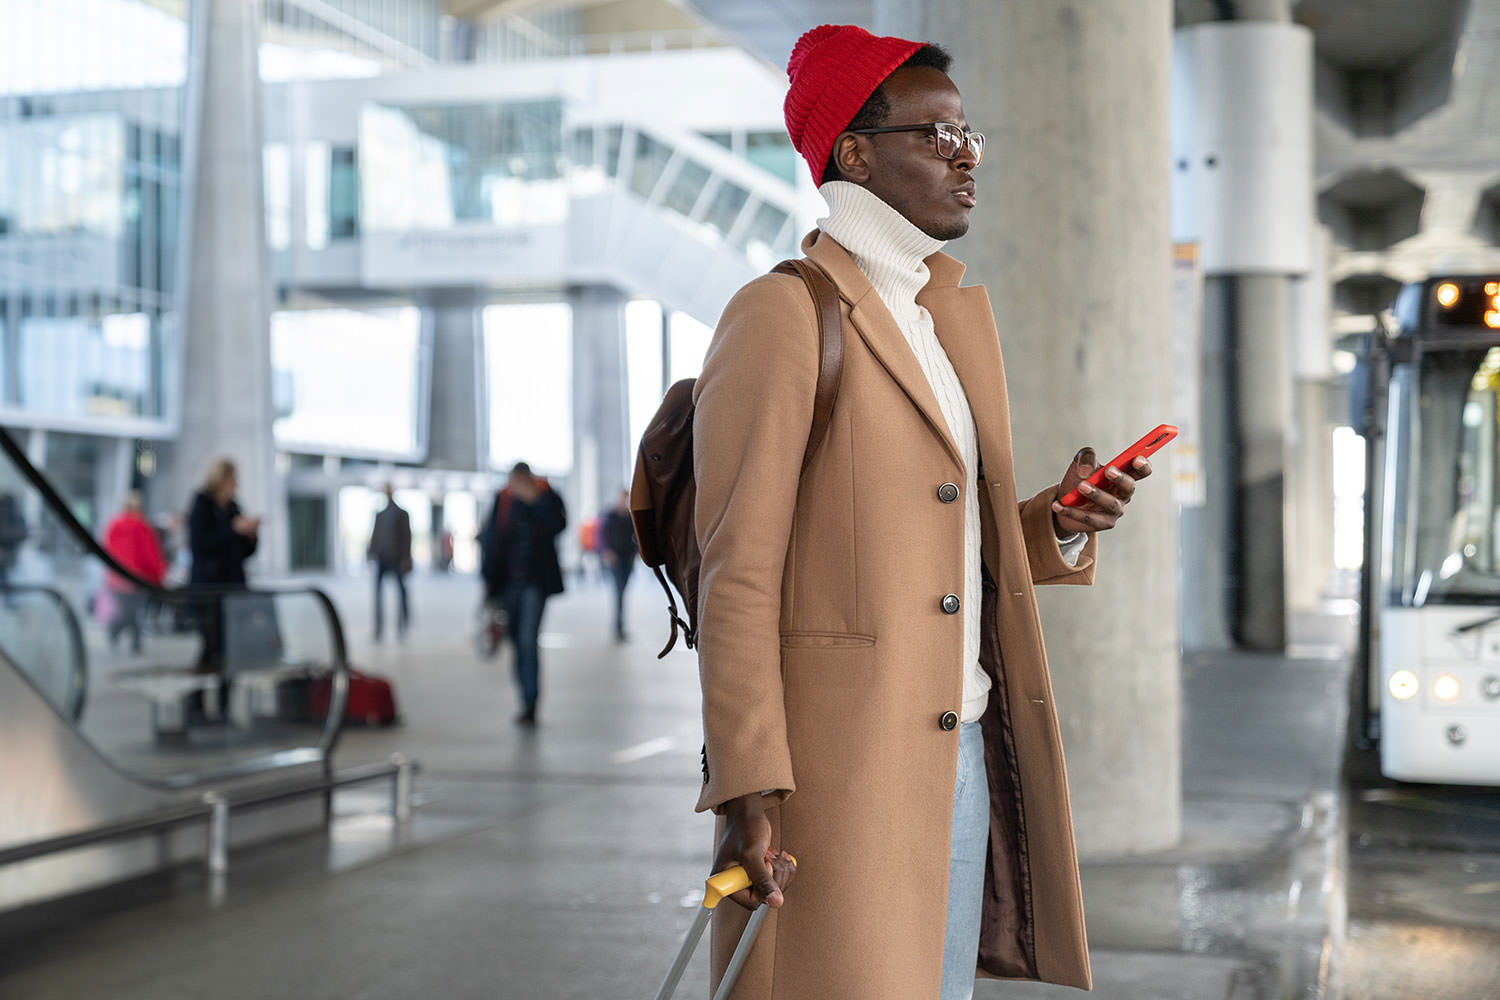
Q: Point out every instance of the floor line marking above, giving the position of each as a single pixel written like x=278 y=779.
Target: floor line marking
x=641 y=751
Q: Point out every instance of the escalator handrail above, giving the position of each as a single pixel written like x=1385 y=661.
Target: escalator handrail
x=81 y=535
x=75 y=638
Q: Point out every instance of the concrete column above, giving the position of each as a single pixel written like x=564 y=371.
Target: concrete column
x=458 y=415
x=1071 y=237
x=1210 y=587
x=602 y=455
x=1248 y=442
x=226 y=346
x=1262 y=389
x=1310 y=510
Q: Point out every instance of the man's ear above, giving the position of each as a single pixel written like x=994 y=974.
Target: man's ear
x=849 y=156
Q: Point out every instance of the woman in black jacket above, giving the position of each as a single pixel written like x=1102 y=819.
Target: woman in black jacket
x=220 y=539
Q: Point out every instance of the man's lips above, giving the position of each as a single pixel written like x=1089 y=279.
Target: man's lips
x=965 y=195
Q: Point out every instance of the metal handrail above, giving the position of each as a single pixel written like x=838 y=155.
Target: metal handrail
x=215 y=809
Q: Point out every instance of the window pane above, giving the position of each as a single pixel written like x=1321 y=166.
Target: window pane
x=651 y=158
x=347 y=381
x=529 y=359
x=685 y=189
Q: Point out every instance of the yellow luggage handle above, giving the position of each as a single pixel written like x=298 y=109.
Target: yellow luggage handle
x=726 y=883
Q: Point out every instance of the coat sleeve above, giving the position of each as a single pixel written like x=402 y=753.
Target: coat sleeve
x=754 y=406
x=1042 y=552
x=552 y=514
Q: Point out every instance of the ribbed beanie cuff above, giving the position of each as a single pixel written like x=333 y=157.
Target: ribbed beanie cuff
x=833 y=69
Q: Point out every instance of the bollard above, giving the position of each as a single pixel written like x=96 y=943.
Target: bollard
x=401 y=788
x=218 y=833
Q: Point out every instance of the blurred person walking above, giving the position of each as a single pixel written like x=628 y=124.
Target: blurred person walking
x=131 y=540
x=390 y=550
x=519 y=564
x=618 y=550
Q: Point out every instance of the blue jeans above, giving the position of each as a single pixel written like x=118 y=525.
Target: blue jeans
x=966 y=865
x=393 y=570
x=523 y=606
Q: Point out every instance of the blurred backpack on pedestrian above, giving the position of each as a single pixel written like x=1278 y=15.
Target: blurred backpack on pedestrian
x=664 y=490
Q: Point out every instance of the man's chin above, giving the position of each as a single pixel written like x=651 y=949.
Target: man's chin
x=948 y=229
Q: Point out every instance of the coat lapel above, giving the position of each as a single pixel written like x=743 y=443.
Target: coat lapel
x=877 y=327
x=965 y=326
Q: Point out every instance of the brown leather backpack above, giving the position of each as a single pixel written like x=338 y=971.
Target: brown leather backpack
x=665 y=490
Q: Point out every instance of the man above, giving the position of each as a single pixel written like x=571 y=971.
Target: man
x=618 y=550
x=390 y=551
x=876 y=695
x=520 y=569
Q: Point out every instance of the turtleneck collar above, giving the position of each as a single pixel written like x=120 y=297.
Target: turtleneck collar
x=886 y=246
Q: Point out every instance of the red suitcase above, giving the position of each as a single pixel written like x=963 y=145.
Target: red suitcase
x=371 y=702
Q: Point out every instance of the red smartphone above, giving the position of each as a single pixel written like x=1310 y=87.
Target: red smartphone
x=1147 y=445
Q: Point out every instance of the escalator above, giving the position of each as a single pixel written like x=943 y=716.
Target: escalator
x=232 y=696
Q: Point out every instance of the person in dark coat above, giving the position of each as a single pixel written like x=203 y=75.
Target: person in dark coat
x=619 y=551
x=220 y=538
x=520 y=569
x=390 y=551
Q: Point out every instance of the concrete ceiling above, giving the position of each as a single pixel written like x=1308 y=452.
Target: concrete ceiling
x=492 y=10
x=1360 y=36
x=1379 y=35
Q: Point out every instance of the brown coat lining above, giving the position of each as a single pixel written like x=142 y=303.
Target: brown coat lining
x=1007 y=935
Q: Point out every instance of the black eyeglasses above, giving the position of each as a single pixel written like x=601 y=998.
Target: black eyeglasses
x=949 y=138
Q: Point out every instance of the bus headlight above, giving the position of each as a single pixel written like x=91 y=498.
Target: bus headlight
x=1445 y=688
x=1403 y=685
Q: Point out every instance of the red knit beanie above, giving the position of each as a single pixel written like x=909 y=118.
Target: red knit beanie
x=834 y=68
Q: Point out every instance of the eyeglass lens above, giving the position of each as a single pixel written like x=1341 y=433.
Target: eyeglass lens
x=951 y=139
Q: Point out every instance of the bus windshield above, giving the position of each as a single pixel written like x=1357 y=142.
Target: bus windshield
x=1445 y=478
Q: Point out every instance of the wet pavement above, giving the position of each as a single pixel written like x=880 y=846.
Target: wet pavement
x=1424 y=889
x=562 y=862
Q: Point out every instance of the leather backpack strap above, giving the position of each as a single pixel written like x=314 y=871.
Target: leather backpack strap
x=831 y=347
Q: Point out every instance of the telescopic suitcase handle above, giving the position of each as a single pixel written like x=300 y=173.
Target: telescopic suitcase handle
x=716 y=888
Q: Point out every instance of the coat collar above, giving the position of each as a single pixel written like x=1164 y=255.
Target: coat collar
x=965 y=327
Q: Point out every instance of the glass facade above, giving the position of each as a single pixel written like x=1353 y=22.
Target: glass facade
x=431 y=167
x=324 y=39
x=90 y=203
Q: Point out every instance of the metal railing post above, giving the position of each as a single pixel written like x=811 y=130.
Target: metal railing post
x=401 y=788
x=218 y=833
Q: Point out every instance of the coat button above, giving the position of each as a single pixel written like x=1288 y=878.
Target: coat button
x=951 y=604
x=949 y=722
x=947 y=493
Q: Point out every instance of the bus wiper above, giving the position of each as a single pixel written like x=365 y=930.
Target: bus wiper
x=1475 y=626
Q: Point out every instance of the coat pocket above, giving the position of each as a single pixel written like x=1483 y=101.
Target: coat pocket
x=825 y=640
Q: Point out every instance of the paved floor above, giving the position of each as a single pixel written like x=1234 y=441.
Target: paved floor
x=561 y=862
x=1424 y=889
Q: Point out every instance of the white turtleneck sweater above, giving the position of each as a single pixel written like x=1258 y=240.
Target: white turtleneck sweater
x=892 y=253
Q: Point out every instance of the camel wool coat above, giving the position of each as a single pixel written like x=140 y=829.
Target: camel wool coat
x=831 y=674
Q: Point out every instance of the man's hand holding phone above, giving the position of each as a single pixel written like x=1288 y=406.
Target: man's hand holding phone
x=1093 y=497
